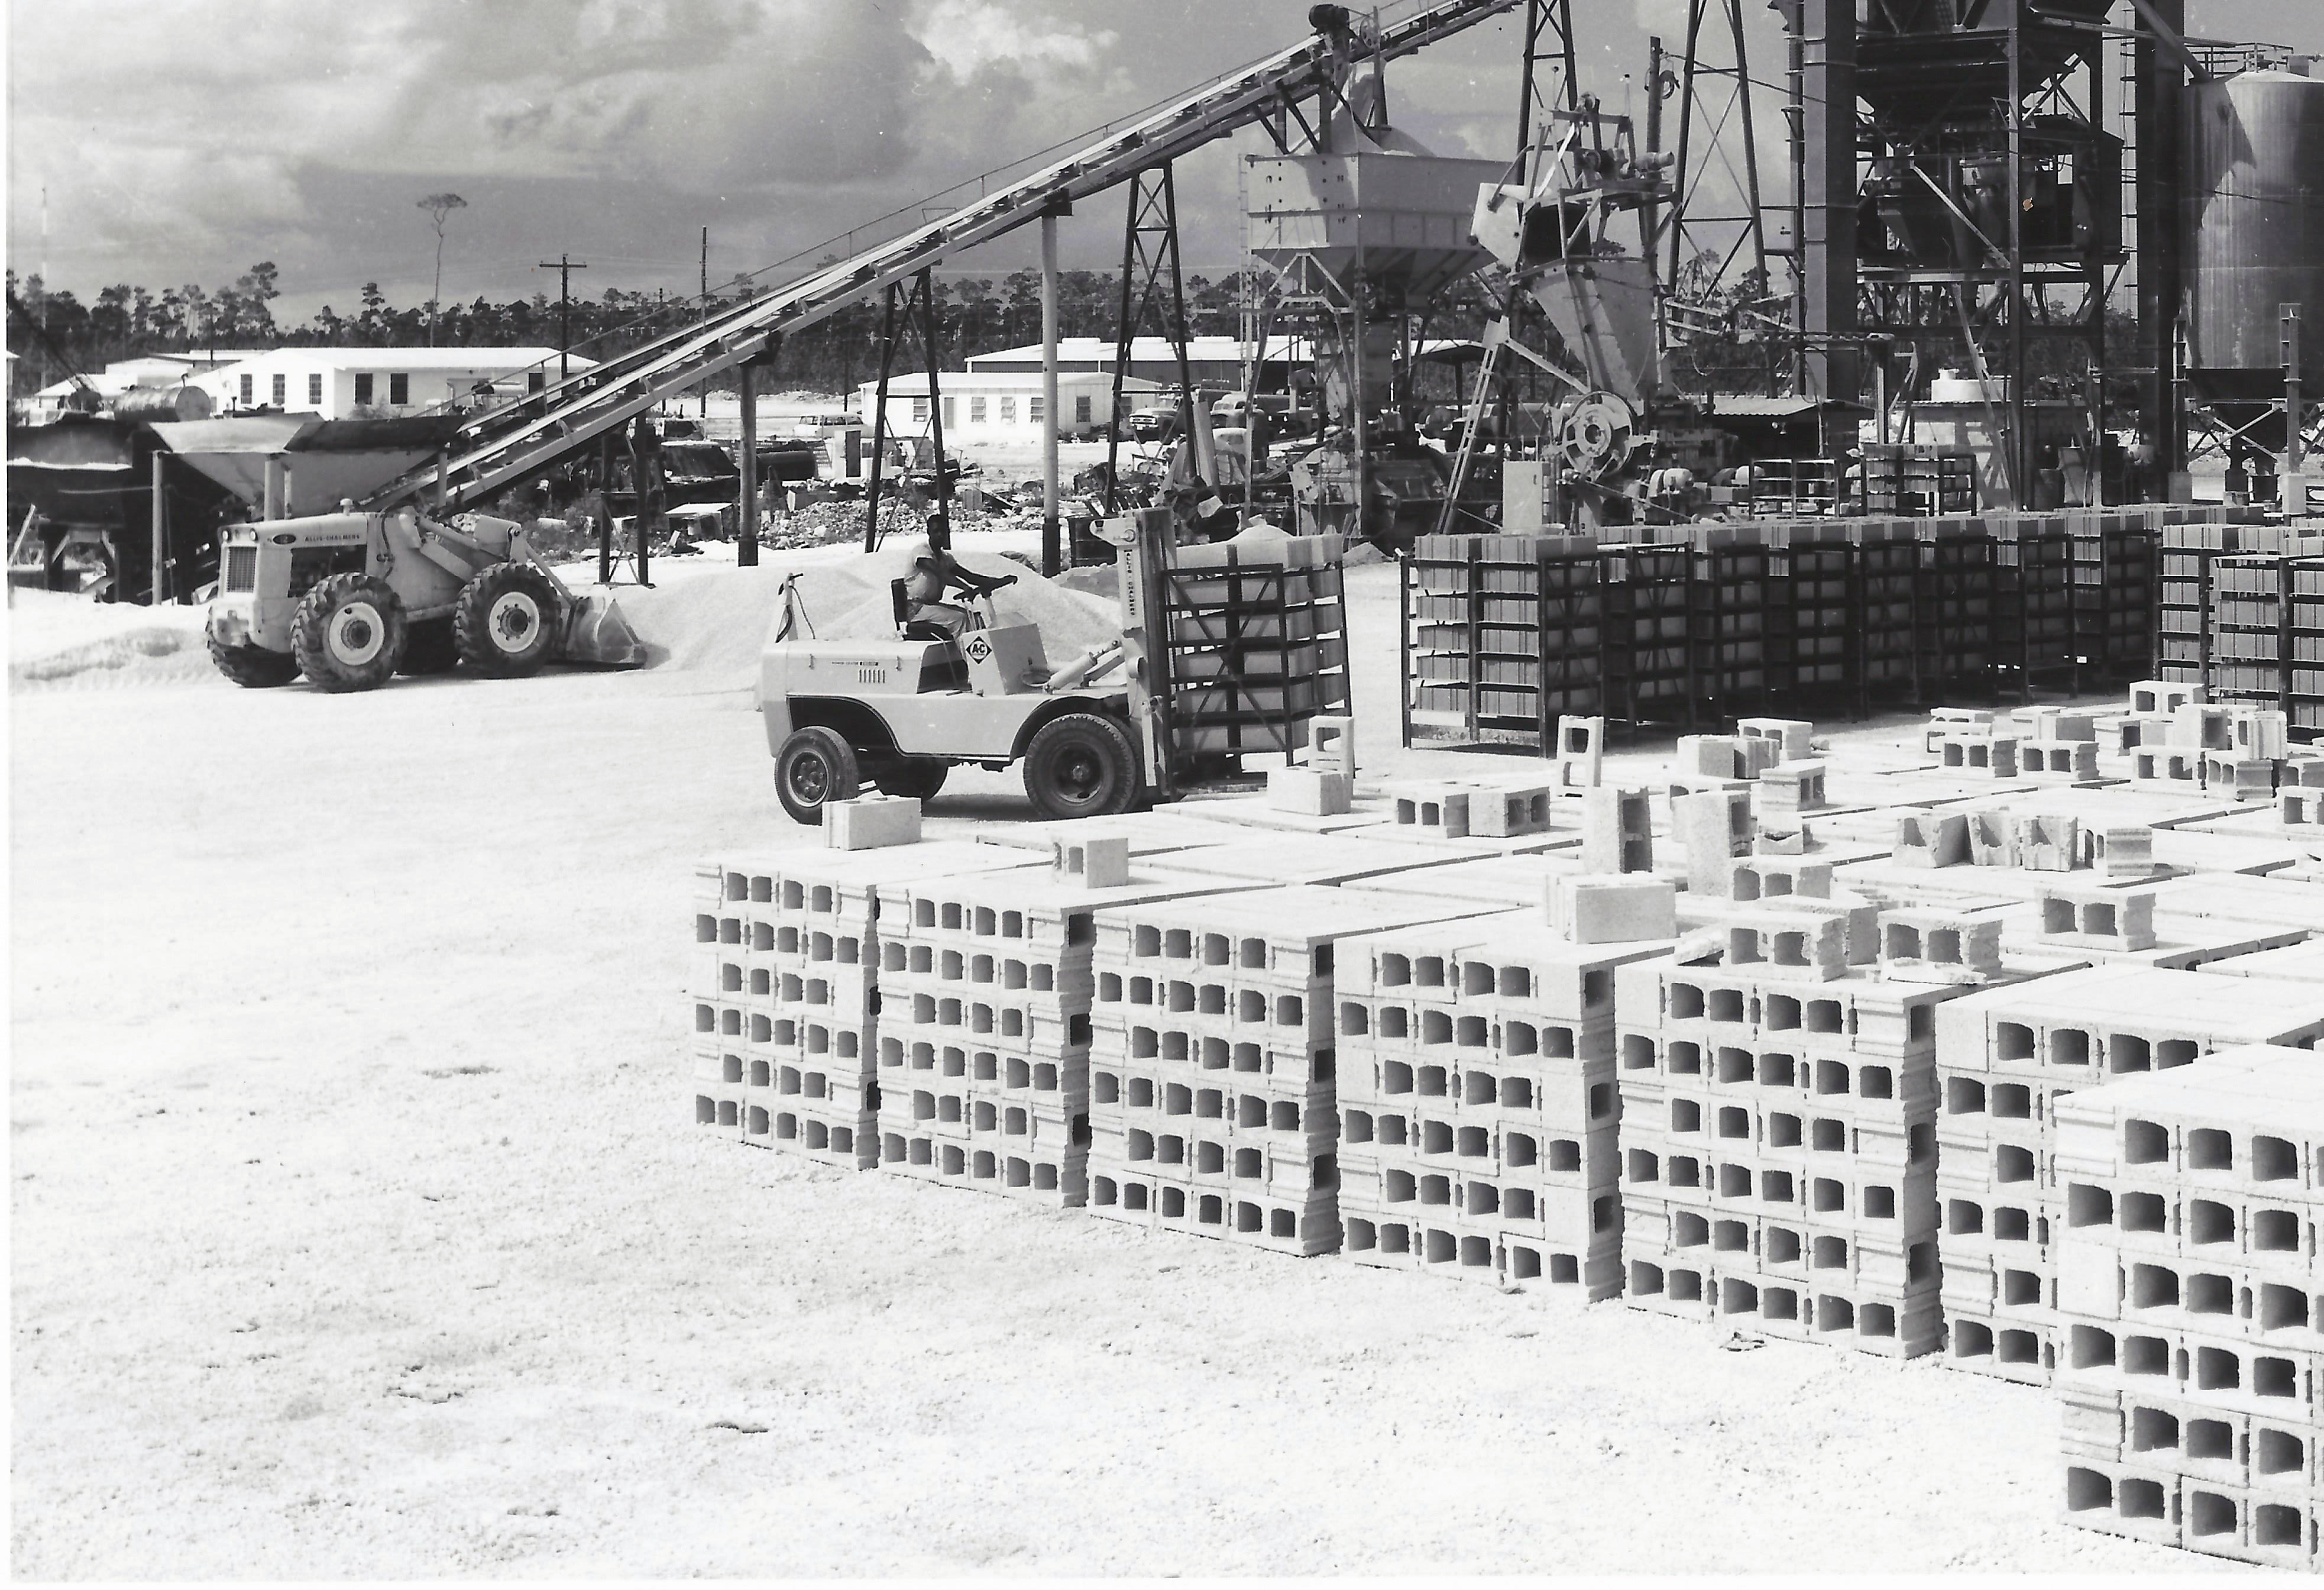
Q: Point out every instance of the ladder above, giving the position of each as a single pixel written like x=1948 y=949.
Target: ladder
x=496 y=449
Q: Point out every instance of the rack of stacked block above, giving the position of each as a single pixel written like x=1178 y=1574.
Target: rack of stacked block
x=1213 y=1088
x=2033 y=601
x=1256 y=646
x=1959 y=626
x=2193 y=1307
x=984 y=1042
x=1795 y=488
x=1812 y=567
x=1884 y=659
x=1501 y=636
x=2115 y=554
x=786 y=1011
x=1909 y=482
x=1477 y=1104
x=2005 y=1059
x=1731 y=596
x=1645 y=605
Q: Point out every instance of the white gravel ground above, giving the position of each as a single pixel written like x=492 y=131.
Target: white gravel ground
x=360 y=1228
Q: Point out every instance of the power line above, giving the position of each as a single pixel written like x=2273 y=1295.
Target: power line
x=564 y=267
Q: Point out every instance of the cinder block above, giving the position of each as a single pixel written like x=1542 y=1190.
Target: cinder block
x=1097 y=862
x=870 y=822
x=1953 y=720
x=1709 y=756
x=1440 y=807
x=1990 y=753
x=1587 y=909
x=2059 y=759
x=1789 y=789
x=1617 y=831
x=1580 y=752
x=1713 y=829
x=1311 y=790
x=1793 y=736
x=2098 y=918
x=1331 y=745
x=2166 y=764
x=1763 y=877
x=1939 y=946
x=2245 y=778
x=2162 y=696
x=1992 y=839
x=2123 y=852
x=2302 y=808
x=1931 y=839
x=2047 y=842
x=1509 y=811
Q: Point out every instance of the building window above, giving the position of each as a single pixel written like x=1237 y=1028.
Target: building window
x=314 y=392
x=949 y=410
x=363 y=389
x=399 y=389
x=282 y=390
x=1033 y=411
x=247 y=397
x=1009 y=411
x=976 y=410
x=919 y=411
x=1082 y=410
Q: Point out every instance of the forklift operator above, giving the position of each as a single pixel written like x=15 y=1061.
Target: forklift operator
x=922 y=609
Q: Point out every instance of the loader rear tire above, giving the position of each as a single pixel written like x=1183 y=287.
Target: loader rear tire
x=254 y=668
x=815 y=766
x=917 y=777
x=508 y=620
x=430 y=648
x=348 y=634
x=1082 y=765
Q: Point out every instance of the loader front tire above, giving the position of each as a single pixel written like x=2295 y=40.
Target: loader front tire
x=430 y=648
x=254 y=668
x=507 y=621
x=348 y=634
x=1082 y=765
x=815 y=766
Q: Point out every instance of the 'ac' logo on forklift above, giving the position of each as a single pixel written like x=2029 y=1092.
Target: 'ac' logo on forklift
x=976 y=648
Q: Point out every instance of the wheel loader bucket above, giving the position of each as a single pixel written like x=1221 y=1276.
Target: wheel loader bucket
x=598 y=637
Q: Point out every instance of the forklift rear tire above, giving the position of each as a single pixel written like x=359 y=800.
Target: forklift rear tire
x=815 y=766
x=254 y=668
x=1082 y=765
x=917 y=778
x=348 y=634
x=507 y=621
x=430 y=648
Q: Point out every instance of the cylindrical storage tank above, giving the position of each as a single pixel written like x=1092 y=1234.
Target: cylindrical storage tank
x=162 y=405
x=2255 y=231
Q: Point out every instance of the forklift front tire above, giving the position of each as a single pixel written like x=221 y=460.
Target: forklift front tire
x=1082 y=765
x=814 y=766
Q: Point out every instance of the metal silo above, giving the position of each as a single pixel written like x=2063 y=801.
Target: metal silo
x=2254 y=221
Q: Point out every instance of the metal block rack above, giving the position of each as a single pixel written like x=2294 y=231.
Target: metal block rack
x=1501 y=636
x=1257 y=648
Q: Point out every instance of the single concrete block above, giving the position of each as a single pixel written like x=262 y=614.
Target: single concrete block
x=1781 y=841
x=1954 y=720
x=1991 y=754
x=2047 y=842
x=2301 y=808
x=1617 y=831
x=2303 y=769
x=1928 y=839
x=1713 y=829
x=2197 y=727
x=1766 y=877
x=1312 y=791
x=1509 y=811
x=1442 y=809
x=2126 y=852
x=1939 y=946
x=1709 y=756
x=1332 y=745
x=2058 y=759
x=2258 y=734
x=2135 y=729
x=1580 y=752
x=1587 y=908
x=1814 y=948
x=1794 y=736
x=1789 y=789
x=2241 y=777
x=2098 y=918
x=2166 y=764
x=870 y=822
x=1754 y=757
x=2163 y=696
x=1992 y=839
x=1096 y=861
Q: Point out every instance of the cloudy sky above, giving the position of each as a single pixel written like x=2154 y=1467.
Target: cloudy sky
x=181 y=141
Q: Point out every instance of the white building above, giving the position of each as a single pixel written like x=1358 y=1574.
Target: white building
x=380 y=383
x=1215 y=363
x=156 y=372
x=982 y=406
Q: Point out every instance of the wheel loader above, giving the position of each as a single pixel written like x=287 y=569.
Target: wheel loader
x=351 y=599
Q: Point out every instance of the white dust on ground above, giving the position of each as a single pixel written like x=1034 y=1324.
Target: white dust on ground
x=360 y=1229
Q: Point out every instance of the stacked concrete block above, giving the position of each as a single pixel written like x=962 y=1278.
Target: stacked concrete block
x=1954 y=722
x=1311 y=792
x=1617 y=833
x=984 y=1034
x=1213 y=1081
x=1788 y=791
x=1779 y=1137
x=1712 y=829
x=1580 y=758
x=1793 y=737
x=2152 y=704
x=2005 y=1057
x=1477 y=1096
x=789 y=1000
x=2192 y=1305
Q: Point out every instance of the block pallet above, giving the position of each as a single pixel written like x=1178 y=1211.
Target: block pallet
x=1256 y=650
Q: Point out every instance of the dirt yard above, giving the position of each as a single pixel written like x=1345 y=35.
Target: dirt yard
x=360 y=1227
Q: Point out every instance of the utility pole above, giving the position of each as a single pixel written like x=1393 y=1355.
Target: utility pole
x=564 y=267
x=704 y=296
